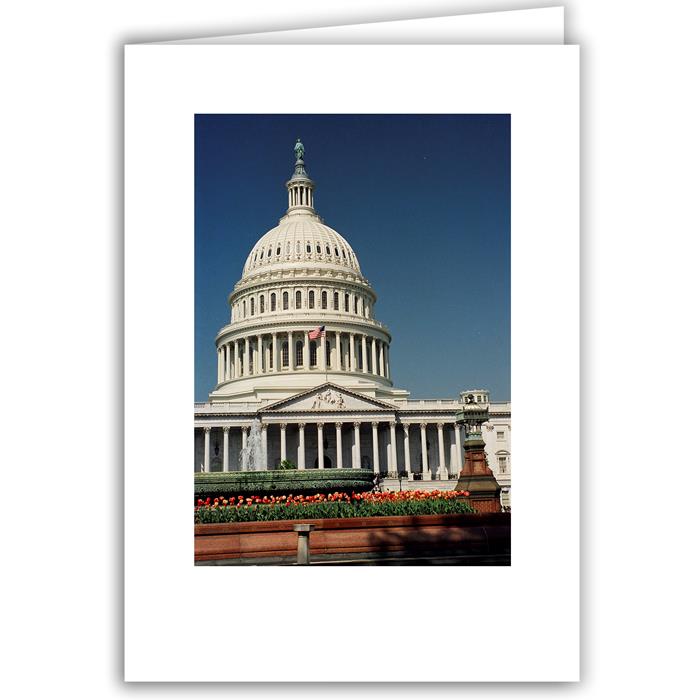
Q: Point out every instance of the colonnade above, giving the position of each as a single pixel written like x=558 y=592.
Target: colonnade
x=292 y=351
x=317 y=433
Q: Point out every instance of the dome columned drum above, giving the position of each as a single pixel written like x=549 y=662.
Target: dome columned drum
x=302 y=313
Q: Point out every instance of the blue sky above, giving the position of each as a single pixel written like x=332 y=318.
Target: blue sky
x=424 y=200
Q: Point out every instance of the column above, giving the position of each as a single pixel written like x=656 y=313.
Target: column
x=375 y=447
x=374 y=356
x=226 y=429
x=458 y=448
x=319 y=439
x=207 y=432
x=227 y=350
x=283 y=442
x=236 y=369
x=381 y=358
x=219 y=373
x=322 y=349
x=364 y=354
x=302 y=447
x=406 y=451
x=261 y=355
x=386 y=356
x=339 y=445
x=275 y=357
x=338 y=359
x=394 y=462
x=424 y=452
x=290 y=352
x=263 y=440
x=246 y=355
x=352 y=352
x=442 y=474
x=356 y=447
x=307 y=353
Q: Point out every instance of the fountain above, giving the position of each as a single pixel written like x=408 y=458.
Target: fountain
x=253 y=457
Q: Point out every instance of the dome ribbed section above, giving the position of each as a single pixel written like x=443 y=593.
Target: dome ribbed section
x=300 y=240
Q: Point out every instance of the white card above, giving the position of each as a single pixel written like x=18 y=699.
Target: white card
x=186 y=623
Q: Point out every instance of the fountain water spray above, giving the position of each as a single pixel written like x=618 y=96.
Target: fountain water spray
x=253 y=456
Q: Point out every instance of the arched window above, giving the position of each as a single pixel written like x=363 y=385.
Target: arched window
x=299 y=355
x=318 y=249
x=311 y=299
x=336 y=252
x=262 y=304
x=336 y=302
x=269 y=252
x=324 y=300
x=244 y=308
x=285 y=354
x=328 y=250
x=297 y=299
x=298 y=247
x=278 y=250
x=347 y=303
x=252 y=306
x=314 y=359
x=273 y=302
x=308 y=247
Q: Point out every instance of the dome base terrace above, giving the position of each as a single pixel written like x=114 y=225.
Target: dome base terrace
x=275 y=386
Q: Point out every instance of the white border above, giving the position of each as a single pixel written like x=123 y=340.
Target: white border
x=270 y=623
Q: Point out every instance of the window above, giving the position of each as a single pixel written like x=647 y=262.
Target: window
x=347 y=303
x=328 y=354
x=262 y=304
x=273 y=302
x=308 y=247
x=278 y=250
x=328 y=250
x=502 y=464
x=252 y=306
x=336 y=252
x=269 y=252
x=318 y=249
x=285 y=354
x=299 y=353
x=269 y=364
x=336 y=303
x=285 y=301
x=324 y=300
x=314 y=359
x=311 y=300
x=355 y=305
x=244 y=309
x=500 y=435
x=297 y=298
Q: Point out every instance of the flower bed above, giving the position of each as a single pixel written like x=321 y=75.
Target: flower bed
x=335 y=505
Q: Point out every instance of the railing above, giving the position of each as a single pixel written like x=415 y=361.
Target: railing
x=315 y=317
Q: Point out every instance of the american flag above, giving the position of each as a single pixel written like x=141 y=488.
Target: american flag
x=317 y=332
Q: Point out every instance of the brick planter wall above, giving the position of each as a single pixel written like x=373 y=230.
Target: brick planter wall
x=480 y=533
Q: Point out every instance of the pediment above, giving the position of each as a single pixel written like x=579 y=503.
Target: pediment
x=328 y=397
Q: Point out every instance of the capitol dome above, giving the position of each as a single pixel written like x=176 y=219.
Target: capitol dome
x=301 y=292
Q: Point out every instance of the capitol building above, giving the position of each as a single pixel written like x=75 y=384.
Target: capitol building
x=305 y=362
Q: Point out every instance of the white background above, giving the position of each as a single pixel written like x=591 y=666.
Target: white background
x=61 y=285
x=167 y=598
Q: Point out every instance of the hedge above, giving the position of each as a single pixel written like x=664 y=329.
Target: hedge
x=280 y=481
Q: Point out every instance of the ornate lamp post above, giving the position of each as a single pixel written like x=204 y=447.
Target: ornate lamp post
x=476 y=477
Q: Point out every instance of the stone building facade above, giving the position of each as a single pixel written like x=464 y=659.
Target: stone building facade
x=305 y=358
